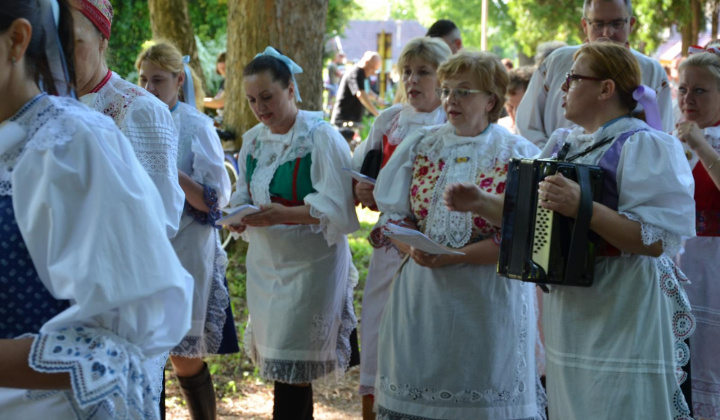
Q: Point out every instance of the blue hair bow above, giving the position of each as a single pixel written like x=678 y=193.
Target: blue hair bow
x=294 y=68
x=188 y=88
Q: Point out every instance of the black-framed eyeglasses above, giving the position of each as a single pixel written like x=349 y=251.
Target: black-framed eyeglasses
x=570 y=77
x=460 y=93
x=598 y=26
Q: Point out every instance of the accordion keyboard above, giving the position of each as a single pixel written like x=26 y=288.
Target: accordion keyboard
x=541 y=237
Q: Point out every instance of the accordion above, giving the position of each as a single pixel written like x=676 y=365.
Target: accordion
x=539 y=245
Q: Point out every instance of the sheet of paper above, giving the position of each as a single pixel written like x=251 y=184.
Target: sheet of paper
x=418 y=240
x=236 y=214
x=360 y=177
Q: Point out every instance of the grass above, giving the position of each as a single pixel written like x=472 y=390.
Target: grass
x=229 y=370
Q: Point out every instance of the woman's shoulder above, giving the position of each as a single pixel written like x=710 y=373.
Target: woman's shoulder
x=191 y=118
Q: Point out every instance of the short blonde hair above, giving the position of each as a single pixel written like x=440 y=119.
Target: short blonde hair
x=609 y=60
x=706 y=60
x=489 y=73
x=168 y=57
x=432 y=50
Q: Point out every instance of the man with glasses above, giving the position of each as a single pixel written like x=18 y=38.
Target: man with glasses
x=540 y=112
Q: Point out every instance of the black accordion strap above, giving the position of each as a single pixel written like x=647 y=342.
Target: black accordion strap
x=589 y=149
x=578 y=241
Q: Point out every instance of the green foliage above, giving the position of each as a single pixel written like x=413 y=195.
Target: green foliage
x=339 y=12
x=130 y=28
x=538 y=21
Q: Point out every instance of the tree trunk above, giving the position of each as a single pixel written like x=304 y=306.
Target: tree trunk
x=294 y=28
x=715 y=7
x=170 y=21
x=696 y=10
x=686 y=33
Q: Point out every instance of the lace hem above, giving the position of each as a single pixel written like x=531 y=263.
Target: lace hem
x=671 y=242
x=385 y=414
x=299 y=371
x=210 y=198
x=106 y=373
x=366 y=390
x=215 y=316
x=330 y=232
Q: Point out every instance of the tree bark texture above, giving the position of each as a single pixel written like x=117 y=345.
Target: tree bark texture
x=295 y=28
x=170 y=21
x=714 y=13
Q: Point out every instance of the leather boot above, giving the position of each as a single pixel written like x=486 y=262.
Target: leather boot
x=292 y=402
x=199 y=394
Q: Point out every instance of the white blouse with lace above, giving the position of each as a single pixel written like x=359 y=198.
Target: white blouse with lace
x=616 y=350
x=300 y=277
x=89 y=215
x=147 y=123
x=201 y=157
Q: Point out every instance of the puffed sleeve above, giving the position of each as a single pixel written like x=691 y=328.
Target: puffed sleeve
x=529 y=119
x=374 y=140
x=89 y=215
x=656 y=188
x=332 y=202
x=209 y=162
x=392 y=190
x=151 y=131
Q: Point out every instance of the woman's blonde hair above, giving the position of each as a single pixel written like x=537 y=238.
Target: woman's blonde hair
x=706 y=60
x=166 y=56
x=432 y=50
x=608 y=60
x=489 y=72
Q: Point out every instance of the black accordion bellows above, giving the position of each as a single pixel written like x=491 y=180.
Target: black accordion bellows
x=539 y=245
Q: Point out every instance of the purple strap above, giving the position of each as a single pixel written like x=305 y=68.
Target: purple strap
x=646 y=96
x=609 y=163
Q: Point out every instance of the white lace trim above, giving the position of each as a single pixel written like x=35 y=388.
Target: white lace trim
x=301 y=371
x=671 y=242
x=51 y=121
x=331 y=232
x=408 y=120
x=272 y=150
x=194 y=346
x=107 y=373
x=464 y=158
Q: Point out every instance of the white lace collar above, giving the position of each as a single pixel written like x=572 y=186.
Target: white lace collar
x=408 y=119
x=304 y=121
x=580 y=140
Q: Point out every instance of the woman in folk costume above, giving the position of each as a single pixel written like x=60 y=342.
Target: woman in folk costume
x=93 y=295
x=699 y=100
x=299 y=268
x=456 y=340
x=207 y=189
x=615 y=350
x=142 y=118
x=418 y=63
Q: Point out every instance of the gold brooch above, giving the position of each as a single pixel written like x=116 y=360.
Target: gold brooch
x=462 y=159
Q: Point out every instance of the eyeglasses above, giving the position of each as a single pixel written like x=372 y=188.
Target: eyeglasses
x=570 y=77
x=460 y=93
x=598 y=26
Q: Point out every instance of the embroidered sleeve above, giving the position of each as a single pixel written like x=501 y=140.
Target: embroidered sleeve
x=106 y=372
x=211 y=200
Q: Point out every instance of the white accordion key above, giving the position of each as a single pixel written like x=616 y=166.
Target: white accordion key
x=541 y=237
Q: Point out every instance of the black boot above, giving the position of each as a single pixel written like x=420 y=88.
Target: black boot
x=292 y=402
x=199 y=394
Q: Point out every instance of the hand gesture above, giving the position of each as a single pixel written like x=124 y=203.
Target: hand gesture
x=424 y=259
x=239 y=228
x=269 y=215
x=464 y=197
x=690 y=133
x=560 y=194
x=364 y=193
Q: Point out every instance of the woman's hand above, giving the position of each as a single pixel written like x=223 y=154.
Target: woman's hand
x=464 y=197
x=424 y=259
x=690 y=133
x=560 y=194
x=364 y=193
x=240 y=228
x=269 y=215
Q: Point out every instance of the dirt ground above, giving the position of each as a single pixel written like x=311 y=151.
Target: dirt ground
x=253 y=399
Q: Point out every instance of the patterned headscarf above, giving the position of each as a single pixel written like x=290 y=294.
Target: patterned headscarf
x=99 y=12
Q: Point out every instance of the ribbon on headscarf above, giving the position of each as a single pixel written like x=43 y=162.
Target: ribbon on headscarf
x=188 y=86
x=696 y=49
x=646 y=96
x=294 y=68
x=50 y=13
